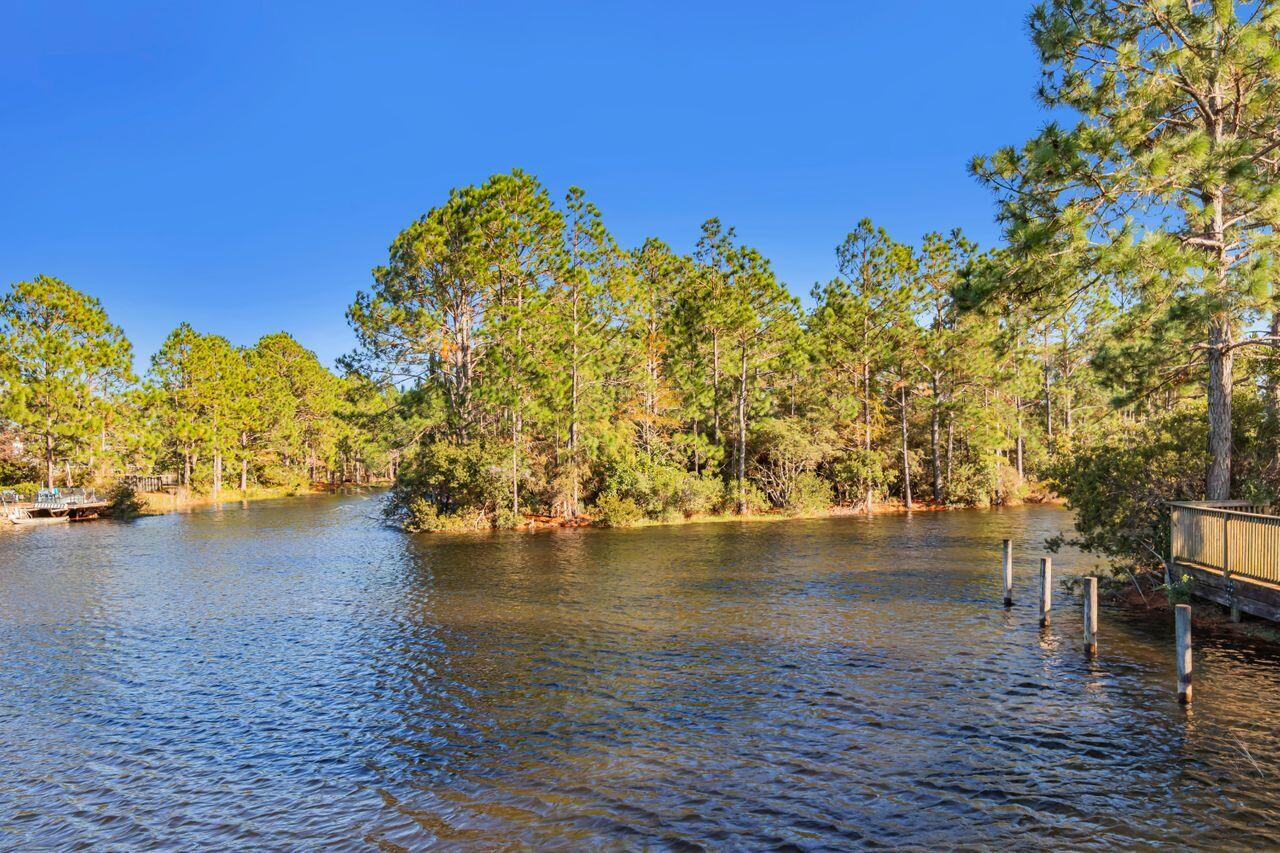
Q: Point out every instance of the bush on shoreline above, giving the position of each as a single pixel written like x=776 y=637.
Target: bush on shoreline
x=124 y=502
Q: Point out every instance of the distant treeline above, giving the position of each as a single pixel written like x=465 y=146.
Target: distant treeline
x=72 y=412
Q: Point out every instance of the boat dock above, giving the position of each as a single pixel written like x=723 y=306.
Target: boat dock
x=51 y=506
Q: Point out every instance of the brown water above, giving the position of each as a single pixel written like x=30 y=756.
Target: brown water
x=293 y=674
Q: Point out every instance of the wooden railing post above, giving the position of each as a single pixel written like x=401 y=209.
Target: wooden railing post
x=1226 y=566
x=1226 y=550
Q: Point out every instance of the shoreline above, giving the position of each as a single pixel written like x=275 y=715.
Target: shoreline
x=537 y=524
x=1206 y=616
x=889 y=508
x=164 y=503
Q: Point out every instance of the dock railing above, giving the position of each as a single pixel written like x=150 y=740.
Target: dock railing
x=151 y=482
x=1237 y=538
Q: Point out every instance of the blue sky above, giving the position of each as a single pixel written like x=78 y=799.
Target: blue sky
x=242 y=166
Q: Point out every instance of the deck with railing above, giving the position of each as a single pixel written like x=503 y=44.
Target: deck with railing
x=1236 y=538
x=151 y=482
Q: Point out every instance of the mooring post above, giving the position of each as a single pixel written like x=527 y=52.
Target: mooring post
x=1008 y=573
x=1091 y=616
x=1046 y=590
x=1182 y=630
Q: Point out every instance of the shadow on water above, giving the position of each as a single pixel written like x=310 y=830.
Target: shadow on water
x=292 y=673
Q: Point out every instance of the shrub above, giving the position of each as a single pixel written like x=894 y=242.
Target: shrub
x=665 y=491
x=781 y=451
x=661 y=491
x=856 y=470
x=1178 y=590
x=421 y=517
x=454 y=480
x=810 y=493
x=1118 y=483
x=277 y=476
x=614 y=511
x=25 y=491
x=698 y=495
x=756 y=500
x=123 y=501
x=1010 y=486
x=20 y=471
x=972 y=483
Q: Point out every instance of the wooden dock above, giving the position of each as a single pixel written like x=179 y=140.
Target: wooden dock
x=1231 y=551
x=51 y=508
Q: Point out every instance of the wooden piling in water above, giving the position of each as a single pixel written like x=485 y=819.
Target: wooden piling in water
x=1182 y=631
x=1008 y=572
x=1046 y=590
x=1091 y=616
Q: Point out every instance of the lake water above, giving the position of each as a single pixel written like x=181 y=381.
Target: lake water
x=294 y=674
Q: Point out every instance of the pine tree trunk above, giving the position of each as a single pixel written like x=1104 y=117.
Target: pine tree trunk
x=1048 y=403
x=1221 y=358
x=573 y=415
x=951 y=446
x=906 y=454
x=935 y=443
x=1018 y=405
x=742 y=435
x=48 y=458
x=244 y=474
x=715 y=388
x=515 y=463
x=697 y=456
x=866 y=423
x=1221 y=355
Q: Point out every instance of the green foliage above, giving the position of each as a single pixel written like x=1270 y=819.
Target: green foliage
x=857 y=471
x=750 y=500
x=1162 y=193
x=664 y=492
x=689 y=384
x=972 y=483
x=454 y=478
x=613 y=510
x=1118 y=484
x=784 y=450
x=278 y=476
x=1178 y=590
x=62 y=365
x=25 y=491
x=420 y=516
x=124 y=502
x=809 y=493
x=1010 y=487
x=17 y=471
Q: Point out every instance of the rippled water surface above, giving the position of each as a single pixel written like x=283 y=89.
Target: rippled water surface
x=292 y=674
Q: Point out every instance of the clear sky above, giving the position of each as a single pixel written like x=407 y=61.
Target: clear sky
x=242 y=166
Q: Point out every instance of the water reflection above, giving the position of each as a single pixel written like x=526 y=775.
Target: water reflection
x=291 y=673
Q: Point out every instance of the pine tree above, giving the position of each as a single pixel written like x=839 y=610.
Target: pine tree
x=62 y=365
x=1166 y=186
